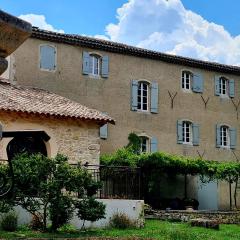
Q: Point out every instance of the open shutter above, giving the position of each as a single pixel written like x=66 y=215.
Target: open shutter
x=104 y=131
x=217 y=83
x=154 y=97
x=233 y=137
x=231 y=88
x=86 y=63
x=197 y=83
x=218 y=136
x=105 y=66
x=195 y=128
x=154 y=145
x=47 y=57
x=179 y=132
x=134 y=101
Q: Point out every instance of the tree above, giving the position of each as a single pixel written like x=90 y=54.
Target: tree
x=47 y=188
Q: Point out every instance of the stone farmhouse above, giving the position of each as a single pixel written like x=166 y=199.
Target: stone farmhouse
x=175 y=104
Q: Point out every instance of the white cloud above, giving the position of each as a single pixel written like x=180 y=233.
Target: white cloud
x=168 y=27
x=39 y=21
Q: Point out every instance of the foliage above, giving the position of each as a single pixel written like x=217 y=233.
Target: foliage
x=46 y=187
x=90 y=210
x=67 y=228
x=121 y=221
x=173 y=164
x=134 y=143
x=9 y=222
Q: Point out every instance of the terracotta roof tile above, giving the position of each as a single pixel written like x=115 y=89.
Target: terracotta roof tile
x=33 y=100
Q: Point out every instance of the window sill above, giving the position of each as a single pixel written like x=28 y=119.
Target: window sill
x=143 y=111
x=224 y=96
x=225 y=147
x=187 y=90
x=187 y=144
x=48 y=70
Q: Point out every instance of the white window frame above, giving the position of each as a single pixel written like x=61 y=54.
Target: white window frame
x=145 y=142
x=96 y=64
x=224 y=136
x=55 y=60
x=187 y=132
x=223 y=87
x=186 y=80
x=141 y=105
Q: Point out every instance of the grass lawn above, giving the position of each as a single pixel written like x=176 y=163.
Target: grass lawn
x=154 y=229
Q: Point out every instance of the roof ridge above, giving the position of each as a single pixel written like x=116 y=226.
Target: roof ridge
x=108 y=45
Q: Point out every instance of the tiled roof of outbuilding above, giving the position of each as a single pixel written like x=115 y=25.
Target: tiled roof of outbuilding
x=130 y=50
x=37 y=101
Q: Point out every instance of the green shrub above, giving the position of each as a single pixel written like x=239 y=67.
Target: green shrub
x=9 y=222
x=121 y=221
x=67 y=228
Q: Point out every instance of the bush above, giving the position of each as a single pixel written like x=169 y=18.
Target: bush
x=121 y=221
x=67 y=228
x=9 y=222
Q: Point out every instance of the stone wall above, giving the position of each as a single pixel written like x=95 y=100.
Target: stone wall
x=231 y=217
x=77 y=139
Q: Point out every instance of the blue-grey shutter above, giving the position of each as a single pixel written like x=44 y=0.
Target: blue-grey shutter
x=197 y=85
x=86 y=63
x=217 y=87
x=233 y=137
x=231 y=88
x=218 y=136
x=104 y=131
x=105 y=66
x=134 y=102
x=47 y=57
x=154 y=145
x=195 y=129
x=154 y=97
x=179 y=132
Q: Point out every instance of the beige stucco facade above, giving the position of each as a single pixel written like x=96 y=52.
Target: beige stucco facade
x=113 y=95
x=74 y=138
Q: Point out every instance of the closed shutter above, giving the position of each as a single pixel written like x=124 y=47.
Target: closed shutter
x=134 y=100
x=195 y=128
x=197 y=85
x=218 y=136
x=104 y=131
x=217 y=83
x=233 y=137
x=179 y=132
x=86 y=63
x=154 y=97
x=231 y=88
x=47 y=57
x=105 y=66
x=154 y=145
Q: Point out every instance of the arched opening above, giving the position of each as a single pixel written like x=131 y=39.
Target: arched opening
x=27 y=144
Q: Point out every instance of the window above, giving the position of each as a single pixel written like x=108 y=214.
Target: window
x=94 y=63
x=47 y=57
x=143 y=95
x=144 y=144
x=186 y=80
x=187 y=132
x=224 y=136
x=224 y=87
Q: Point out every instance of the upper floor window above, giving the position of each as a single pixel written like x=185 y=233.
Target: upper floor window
x=192 y=81
x=186 y=80
x=226 y=136
x=144 y=96
x=187 y=132
x=95 y=65
x=224 y=87
x=47 y=57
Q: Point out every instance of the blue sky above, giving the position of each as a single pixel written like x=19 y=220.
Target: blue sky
x=205 y=29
